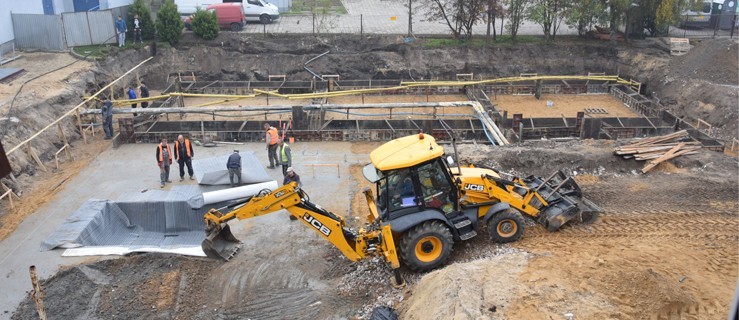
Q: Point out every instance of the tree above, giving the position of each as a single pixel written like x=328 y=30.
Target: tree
x=493 y=9
x=666 y=15
x=459 y=15
x=169 y=24
x=584 y=14
x=205 y=24
x=548 y=14
x=516 y=14
x=147 y=26
x=617 y=8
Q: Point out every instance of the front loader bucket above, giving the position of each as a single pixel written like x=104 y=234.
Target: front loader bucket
x=220 y=243
x=564 y=199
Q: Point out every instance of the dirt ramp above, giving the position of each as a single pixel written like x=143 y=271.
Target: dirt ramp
x=480 y=289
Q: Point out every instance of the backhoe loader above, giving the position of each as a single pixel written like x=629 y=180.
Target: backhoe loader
x=423 y=206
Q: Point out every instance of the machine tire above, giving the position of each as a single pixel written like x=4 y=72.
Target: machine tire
x=506 y=226
x=265 y=19
x=426 y=246
x=235 y=26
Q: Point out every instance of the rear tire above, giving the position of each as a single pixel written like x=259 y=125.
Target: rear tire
x=265 y=19
x=235 y=26
x=506 y=226
x=426 y=246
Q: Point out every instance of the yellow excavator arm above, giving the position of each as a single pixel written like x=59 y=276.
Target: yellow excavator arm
x=376 y=240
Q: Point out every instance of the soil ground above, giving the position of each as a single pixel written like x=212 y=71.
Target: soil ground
x=665 y=247
x=564 y=105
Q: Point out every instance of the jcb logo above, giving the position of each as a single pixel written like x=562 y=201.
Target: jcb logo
x=317 y=224
x=280 y=194
x=474 y=187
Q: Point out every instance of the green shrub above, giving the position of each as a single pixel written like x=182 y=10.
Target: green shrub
x=147 y=26
x=204 y=24
x=169 y=24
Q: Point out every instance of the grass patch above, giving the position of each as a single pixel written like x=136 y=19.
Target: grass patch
x=317 y=6
x=479 y=42
x=93 y=51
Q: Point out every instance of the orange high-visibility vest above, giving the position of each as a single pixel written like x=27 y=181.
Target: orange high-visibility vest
x=188 y=148
x=273 y=137
x=161 y=154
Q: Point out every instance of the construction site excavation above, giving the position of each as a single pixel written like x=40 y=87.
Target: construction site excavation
x=570 y=180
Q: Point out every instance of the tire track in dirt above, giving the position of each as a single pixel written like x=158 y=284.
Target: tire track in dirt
x=713 y=225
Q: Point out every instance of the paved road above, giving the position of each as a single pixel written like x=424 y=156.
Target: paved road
x=376 y=17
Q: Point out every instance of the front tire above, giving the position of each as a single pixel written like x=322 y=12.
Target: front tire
x=506 y=226
x=265 y=19
x=235 y=26
x=427 y=246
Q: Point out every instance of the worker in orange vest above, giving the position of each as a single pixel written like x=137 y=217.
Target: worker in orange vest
x=271 y=138
x=184 y=153
x=164 y=160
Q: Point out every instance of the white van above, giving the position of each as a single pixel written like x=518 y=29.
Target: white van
x=254 y=10
x=260 y=10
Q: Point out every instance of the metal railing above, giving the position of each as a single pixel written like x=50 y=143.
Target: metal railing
x=716 y=25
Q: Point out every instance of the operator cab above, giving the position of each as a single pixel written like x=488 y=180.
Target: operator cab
x=406 y=187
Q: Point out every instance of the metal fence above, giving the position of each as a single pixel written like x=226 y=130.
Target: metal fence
x=58 y=32
x=38 y=31
x=377 y=24
x=88 y=28
x=717 y=25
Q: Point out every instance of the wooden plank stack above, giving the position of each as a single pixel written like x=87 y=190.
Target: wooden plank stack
x=656 y=150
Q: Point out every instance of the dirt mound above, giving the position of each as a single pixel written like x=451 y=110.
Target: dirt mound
x=702 y=84
x=449 y=293
x=712 y=60
x=143 y=286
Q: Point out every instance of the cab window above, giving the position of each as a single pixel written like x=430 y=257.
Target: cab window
x=401 y=192
x=255 y=2
x=436 y=189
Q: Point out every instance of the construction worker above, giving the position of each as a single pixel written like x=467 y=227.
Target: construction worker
x=184 y=153
x=271 y=139
x=107 y=112
x=144 y=94
x=291 y=176
x=132 y=96
x=164 y=160
x=234 y=167
x=286 y=158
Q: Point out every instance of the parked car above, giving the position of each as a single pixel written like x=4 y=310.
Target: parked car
x=254 y=10
x=260 y=10
x=229 y=16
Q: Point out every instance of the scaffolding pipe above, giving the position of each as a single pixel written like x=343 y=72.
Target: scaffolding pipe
x=288 y=108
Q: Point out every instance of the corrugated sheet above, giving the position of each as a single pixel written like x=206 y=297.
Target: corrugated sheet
x=102 y=25
x=38 y=31
x=87 y=28
x=76 y=29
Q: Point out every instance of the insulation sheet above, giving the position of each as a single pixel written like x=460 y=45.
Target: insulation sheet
x=213 y=171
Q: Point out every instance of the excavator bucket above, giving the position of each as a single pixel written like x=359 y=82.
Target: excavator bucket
x=564 y=201
x=220 y=243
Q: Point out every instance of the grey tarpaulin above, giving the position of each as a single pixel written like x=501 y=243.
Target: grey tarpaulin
x=154 y=218
x=212 y=171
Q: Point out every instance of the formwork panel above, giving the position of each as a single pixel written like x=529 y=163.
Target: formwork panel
x=564 y=105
